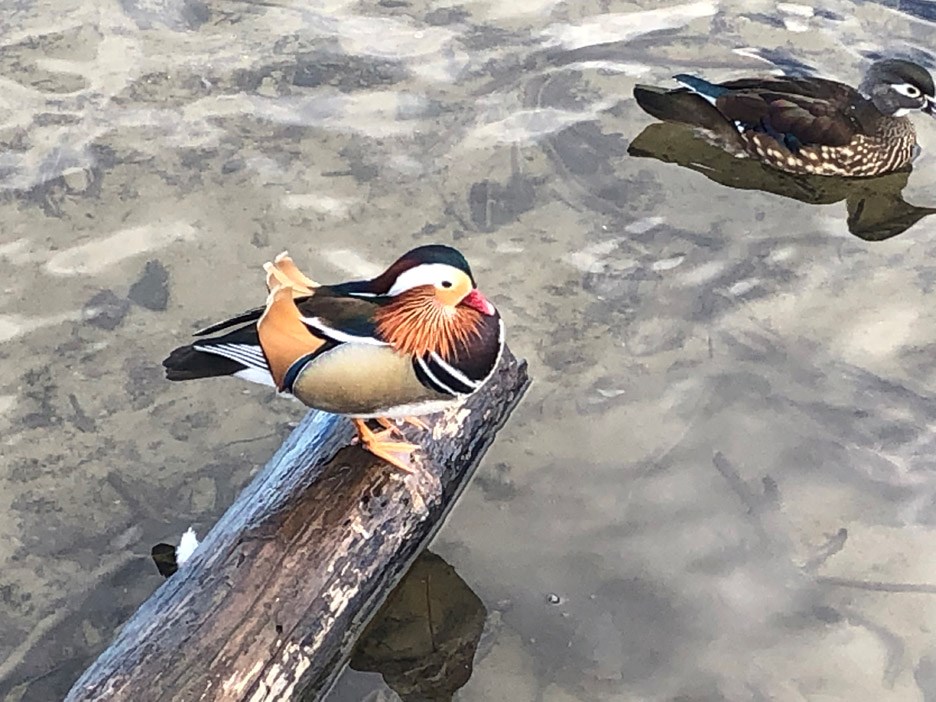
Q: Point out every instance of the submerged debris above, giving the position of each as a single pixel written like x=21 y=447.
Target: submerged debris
x=105 y=310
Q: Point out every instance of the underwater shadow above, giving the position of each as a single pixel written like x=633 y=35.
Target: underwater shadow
x=423 y=639
x=876 y=209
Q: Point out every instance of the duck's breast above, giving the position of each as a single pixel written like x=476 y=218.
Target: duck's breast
x=362 y=380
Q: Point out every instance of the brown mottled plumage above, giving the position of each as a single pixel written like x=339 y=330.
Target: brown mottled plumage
x=807 y=125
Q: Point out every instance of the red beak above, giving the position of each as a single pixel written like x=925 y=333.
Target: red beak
x=475 y=300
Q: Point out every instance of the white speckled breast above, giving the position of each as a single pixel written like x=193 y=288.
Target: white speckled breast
x=889 y=150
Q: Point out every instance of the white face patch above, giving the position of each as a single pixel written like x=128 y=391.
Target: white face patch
x=902 y=112
x=907 y=90
x=437 y=274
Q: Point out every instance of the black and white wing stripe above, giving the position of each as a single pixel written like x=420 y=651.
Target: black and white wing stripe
x=436 y=373
x=256 y=369
x=473 y=367
x=322 y=330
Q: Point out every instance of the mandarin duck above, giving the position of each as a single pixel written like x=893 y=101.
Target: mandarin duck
x=807 y=125
x=416 y=339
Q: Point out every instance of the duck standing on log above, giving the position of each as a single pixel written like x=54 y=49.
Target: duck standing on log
x=416 y=339
x=807 y=125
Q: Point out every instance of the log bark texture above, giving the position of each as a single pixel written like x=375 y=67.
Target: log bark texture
x=271 y=603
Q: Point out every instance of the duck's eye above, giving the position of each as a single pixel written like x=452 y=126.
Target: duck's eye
x=446 y=283
x=907 y=89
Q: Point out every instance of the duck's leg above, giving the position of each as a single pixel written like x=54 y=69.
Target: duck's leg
x=392 y=426
x=416 y=422
x=381 y=445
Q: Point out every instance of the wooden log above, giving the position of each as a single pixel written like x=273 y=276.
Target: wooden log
x=270 y=605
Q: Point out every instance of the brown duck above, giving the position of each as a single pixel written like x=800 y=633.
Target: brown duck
x=807 y=125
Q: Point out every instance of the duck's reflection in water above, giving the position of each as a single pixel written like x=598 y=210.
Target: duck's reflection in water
x=875 y=207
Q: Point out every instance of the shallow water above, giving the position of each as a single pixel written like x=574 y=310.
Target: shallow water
x=719 y=486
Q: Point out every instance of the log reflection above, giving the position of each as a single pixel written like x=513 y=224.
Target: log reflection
x=423 y=639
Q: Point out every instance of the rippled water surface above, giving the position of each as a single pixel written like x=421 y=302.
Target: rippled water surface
x=720 y=485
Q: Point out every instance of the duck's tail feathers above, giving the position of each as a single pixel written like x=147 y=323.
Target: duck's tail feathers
x=248 y=316
x=237 y=353
x=680 y=105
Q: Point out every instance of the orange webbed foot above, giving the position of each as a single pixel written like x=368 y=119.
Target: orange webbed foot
x=392 y=426
x=416 y=422
x=396 y=453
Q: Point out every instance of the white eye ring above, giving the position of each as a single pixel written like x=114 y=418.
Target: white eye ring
x=907 y=89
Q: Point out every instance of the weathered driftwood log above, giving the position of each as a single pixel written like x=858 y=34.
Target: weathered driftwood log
x=274 y=598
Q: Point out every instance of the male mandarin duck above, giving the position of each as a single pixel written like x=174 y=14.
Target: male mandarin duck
x=807 y=125
x=414 y=340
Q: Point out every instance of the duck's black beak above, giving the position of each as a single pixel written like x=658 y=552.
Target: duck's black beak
x=929 y=107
